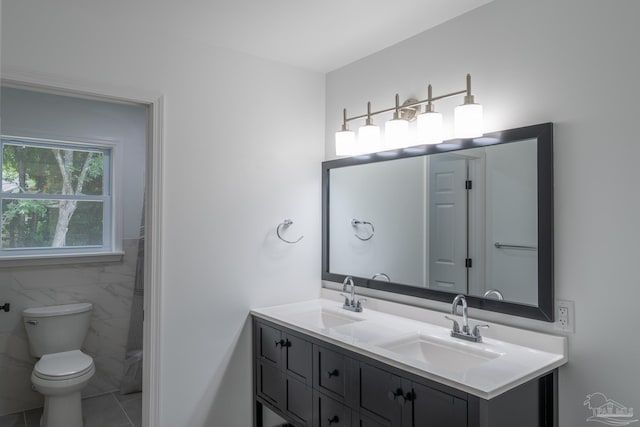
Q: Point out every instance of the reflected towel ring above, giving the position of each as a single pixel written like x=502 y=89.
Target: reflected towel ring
x=357 y=222
x=286 y=223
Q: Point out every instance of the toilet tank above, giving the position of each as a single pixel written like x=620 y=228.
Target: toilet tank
x=57 y=328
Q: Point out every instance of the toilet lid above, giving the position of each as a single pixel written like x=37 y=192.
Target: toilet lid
x=64 y=365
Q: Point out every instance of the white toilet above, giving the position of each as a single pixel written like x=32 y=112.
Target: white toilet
x=56 y=334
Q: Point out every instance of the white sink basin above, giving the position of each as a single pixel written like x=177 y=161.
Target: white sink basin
x=438 y=352
x=323 y=318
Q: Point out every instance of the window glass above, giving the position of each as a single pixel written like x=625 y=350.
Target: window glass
x=55 y=196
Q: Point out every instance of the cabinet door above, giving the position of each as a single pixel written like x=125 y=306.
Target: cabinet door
x=269 y=343
x=299 y=401
x=270 y=384
x=299 y=358
x=331 y=372
x=433 y=408
x=329 y=413
x=379 y=392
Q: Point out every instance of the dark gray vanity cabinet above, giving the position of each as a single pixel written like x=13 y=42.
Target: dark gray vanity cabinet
x=312 y=383
x=283 y=372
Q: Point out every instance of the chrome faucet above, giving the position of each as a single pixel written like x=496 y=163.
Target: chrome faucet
x=494 y=292
x=464 y=333
x=384 y=276
x=350 y=301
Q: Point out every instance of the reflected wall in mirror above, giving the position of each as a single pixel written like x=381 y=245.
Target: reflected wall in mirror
x=467 y=216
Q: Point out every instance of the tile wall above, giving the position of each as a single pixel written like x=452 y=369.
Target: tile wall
x=108 y=286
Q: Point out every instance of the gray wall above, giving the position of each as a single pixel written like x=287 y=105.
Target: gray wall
x=108 y=286
x=573 y=62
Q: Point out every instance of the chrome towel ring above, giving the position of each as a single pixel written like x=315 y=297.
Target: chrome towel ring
x=356 y=222
x=286 y=223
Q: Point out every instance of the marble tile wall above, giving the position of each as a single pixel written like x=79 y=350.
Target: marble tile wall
x=108 y=286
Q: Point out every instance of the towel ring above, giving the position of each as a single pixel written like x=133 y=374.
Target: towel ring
x=286 y=223
x=357 y=222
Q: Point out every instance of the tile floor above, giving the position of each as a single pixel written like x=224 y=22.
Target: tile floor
x=107 y=410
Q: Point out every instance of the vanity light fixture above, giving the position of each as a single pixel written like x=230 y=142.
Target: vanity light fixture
x=467 y=124
x=396 y=131
x=468 y=116
x=430 y=123
x=345 y=139
x=369 y=134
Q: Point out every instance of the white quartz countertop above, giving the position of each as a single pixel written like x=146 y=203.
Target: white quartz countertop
x=506 y=358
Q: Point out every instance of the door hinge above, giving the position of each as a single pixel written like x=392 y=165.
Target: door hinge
x=468 y=184
x=468 y=263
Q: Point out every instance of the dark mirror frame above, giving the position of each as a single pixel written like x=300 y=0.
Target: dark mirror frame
x=544 y=135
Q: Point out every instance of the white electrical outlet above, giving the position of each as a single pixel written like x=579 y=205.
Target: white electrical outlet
x=565 y=316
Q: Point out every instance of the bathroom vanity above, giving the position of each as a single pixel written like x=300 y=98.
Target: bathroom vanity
x=318 y=365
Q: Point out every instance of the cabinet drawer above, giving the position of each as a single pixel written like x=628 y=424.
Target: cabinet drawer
x=376 y=394
x=269 y=343
x=362 y=420
x=329 y=413
x=331 y=372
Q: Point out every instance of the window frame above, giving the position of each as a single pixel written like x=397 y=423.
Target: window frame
x=111 y=248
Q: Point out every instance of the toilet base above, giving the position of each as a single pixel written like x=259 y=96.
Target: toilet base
x=62 y=411
x=62 y=399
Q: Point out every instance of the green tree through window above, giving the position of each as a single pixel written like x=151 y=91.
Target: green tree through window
x=54 y=195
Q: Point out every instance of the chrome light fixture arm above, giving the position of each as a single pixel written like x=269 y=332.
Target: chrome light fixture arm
x=430 y=99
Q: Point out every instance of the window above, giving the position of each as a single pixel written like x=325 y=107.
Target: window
x=56 y=198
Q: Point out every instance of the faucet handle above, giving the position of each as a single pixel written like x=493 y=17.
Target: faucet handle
x=476 y=330
x=359 y=302
x=456 y=327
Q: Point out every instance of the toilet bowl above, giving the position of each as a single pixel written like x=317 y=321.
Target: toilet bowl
x=56 y=334
x=60 y=377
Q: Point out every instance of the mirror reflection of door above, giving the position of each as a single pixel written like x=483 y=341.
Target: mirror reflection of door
x=448 y=223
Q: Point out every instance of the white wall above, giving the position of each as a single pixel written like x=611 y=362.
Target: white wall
x=572 y=62
x=244 y=140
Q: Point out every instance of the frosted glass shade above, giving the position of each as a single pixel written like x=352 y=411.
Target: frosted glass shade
x=369 y=138
x=468 y=121
x=396 y=134
x=430 y=128
x=346 y=143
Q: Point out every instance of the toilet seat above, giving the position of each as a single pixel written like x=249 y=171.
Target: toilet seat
x=63 y=366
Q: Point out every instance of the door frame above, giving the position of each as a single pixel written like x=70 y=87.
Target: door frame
x=153 y=211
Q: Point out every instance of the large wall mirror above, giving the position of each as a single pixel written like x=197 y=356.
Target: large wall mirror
x=471 y=217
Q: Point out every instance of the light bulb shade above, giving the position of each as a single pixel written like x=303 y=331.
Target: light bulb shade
x=369 y=138
x=468 y=121
x=396 y=134
x=430 y=128
x=346 y=143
